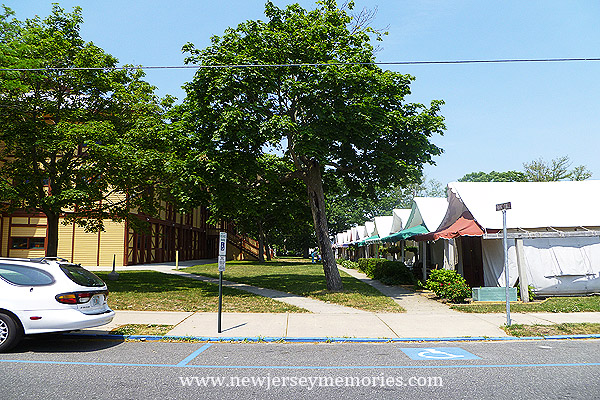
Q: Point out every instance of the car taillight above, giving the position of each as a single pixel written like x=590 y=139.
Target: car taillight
x=78 y=297
x=69 y=298
x=84 y=297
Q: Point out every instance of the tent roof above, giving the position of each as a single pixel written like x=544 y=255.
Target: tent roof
x=354 y=234
x=429 y=211
x=383 y=225
x=534 y=204
x=370 y=227
x=362 y=232
x=400 y=216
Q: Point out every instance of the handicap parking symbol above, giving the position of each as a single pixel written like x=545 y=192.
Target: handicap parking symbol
x=438 y=353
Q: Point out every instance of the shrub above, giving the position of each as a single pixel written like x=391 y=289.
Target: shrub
x=448 y=284
x=347 y=263
x=369 y=265
x=530 y=289
x=457 y=292
x=394 y=273
x=390 y=272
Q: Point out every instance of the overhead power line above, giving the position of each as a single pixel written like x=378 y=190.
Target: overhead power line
x=492 y=61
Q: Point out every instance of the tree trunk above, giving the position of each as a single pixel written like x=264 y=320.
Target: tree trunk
x=316 y=197
x=52 y=219
x=261 y=243
x=267 y=249
x=305 y=252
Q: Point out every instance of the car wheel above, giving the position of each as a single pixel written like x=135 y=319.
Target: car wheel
x=10 y=332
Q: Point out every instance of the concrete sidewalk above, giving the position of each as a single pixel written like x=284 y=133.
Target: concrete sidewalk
x=368 y=325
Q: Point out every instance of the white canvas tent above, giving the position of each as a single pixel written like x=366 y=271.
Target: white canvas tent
x=400 y=218
x=553 y=231
x=428 y=211
x=370 y=227
x=383 y=225
x=355 y=237
x=362 y=232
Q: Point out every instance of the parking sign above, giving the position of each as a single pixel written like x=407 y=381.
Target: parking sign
x=223 y=244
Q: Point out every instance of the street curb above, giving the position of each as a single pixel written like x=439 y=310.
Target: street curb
x=260 y=339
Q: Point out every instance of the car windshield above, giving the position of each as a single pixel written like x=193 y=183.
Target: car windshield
x=81 y=276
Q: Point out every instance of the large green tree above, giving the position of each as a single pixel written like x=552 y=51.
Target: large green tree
x=345 y=210
x=305 y=84
x=538 y=170
x=557 y=169
x=78 y=138
x=255 y=198
x=508 y=176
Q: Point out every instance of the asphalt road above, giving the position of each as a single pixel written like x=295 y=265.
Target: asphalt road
x=65 y=367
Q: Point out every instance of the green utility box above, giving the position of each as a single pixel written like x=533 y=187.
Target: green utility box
x=494 y=294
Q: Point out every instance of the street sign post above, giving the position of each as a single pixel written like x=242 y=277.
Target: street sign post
x=222 y=260
x=503 y=207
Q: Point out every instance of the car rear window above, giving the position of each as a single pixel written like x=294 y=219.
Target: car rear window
x=81 y=276
x=25 y=276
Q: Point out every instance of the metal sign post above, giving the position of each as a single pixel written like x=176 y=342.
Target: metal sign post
x=503 y=207
x=222 y=260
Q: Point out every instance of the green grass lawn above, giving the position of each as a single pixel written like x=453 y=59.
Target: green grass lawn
x=550 y=330
x=155 y=291
x=553 y=304
x=302 y=278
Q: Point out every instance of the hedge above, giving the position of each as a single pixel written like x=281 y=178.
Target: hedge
x=390 y=272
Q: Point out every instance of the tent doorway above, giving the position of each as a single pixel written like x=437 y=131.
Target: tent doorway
x=472 y=260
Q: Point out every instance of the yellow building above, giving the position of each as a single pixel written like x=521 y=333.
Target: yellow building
x=23 y=235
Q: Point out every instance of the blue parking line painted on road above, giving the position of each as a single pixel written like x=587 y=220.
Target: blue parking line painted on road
x=302 y=367
x=195 y=354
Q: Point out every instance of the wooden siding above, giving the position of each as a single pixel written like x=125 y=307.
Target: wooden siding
x=111 y=243
x=27 y=231
x=189 y=234
x=5 y=236
x=85 y=247
x=65 y=241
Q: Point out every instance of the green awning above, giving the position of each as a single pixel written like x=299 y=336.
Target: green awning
x=368 y=241
x=405 y=234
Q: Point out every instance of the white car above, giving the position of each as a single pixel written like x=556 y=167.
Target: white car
x=48 y=295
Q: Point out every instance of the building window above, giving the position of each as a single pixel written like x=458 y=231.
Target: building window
x=20 y=243
x=27 y=243
x=37 y=243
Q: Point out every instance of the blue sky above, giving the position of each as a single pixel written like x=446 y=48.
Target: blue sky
x=497 y=115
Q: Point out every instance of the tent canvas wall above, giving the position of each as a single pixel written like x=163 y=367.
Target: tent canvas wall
x=553 y=231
